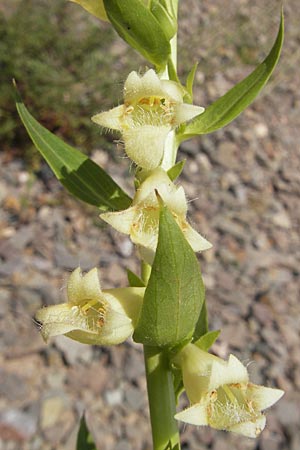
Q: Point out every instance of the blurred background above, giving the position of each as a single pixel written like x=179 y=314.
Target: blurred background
x=243 y=186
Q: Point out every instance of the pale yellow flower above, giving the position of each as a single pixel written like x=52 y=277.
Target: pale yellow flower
x=221 y=395
x=95 y=7
x=141 y=220
x=152 y=108
x=92 y=316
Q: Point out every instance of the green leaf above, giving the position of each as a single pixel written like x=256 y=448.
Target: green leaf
x=207 y=340
x=202 y=323
x=190 y=82
x=172 y=71
x=135 y=23
x=84 y=438
x=175 y=292
x=176 y=170
x=230 y=105
x=177 y=383
x=79 y=174
x=134 y=280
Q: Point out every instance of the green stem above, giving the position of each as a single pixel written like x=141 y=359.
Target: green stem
x=162 y=403
x=171 y=144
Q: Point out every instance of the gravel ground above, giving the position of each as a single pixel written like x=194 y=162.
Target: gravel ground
x=243 y=184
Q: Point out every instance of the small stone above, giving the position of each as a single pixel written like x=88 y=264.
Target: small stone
x=56 y=379
x=204 y=162
x=100 y=157
x=3 y=191
x=192 y=167
x=236 y=335
x=18 y=425
x=134 y=398
x=123 y=445
x=23 y=177
x=227 y=155
x=269 y=443
x=261 y=130
x=295 y=445
x=74 y=351
x=126 y=247
x=4 y=301
x=288 y=411
x=220 y=444
x=6 y=232
x=229 y=179
x=51 y=411
x=281 y=219
x=190 y=147
x=134 y=365
x=12 y=203
x=114 y=397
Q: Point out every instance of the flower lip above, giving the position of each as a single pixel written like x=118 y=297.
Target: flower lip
x=221 y=395
x=141 y=220
x=152 y=109
x=92 y=316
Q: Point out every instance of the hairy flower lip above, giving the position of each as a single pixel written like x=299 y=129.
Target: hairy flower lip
x=140 y=221
x=152 y=109
x=90 y=315
x=221 y=395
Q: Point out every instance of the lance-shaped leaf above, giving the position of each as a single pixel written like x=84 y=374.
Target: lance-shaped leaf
x=134 y=280
x=202 y=323
x=175 y=291
x=136 y=24
x=230 y=105
x=94 y=7
x=85 y=440
x=79 y=174
x=207 y=340
x=176 y=170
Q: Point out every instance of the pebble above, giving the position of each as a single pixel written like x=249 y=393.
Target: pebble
x=227 y=155
x=261 y=130
x=73 y=351
x=134 y=398
x=288 y=410
x=281 y=219
x=18 y=425
x=114 y=397
x=51 y=411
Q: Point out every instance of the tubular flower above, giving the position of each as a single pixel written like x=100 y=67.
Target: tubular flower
x=221 y=395
x=92 y=316
x=151 y=109
x=95 y=7
x=141 y=220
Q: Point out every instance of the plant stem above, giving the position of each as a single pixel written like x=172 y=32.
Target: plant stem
x=161 y=396
x=162 y=402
